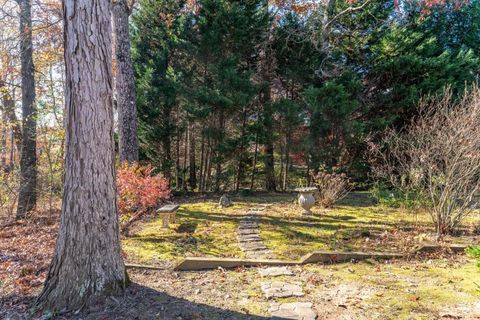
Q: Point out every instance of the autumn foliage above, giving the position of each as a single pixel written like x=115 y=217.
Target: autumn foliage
x=139 y=190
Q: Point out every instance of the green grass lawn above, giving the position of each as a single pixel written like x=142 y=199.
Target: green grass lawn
x=356 y=223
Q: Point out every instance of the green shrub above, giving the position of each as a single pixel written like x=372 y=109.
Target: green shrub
x=474 y=251
x=394 y=198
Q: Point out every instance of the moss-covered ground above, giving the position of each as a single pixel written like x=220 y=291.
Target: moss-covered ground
x=356 y=223
x=435 y=286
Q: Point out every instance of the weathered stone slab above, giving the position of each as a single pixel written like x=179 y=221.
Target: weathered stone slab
x=275 y=271
x=336 y=257
x=279 y=289
x=249 y=238
x=247 y=231
x=258 y=259
x=261 y=254
x=202 y=263
x=248 y=225
x=293 y=310
x=252 y=246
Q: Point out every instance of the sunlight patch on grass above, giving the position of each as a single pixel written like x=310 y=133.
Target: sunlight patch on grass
x=201 y=229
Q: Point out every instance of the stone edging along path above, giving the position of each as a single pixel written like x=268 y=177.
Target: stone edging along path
x=202 y=263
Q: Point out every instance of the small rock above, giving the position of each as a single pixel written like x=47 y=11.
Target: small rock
x=278 y=289
x=275 y=271
x=294 y=311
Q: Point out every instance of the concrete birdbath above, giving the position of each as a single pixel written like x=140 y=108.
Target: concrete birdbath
x=306 y=199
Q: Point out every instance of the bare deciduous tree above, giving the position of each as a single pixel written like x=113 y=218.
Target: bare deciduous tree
x=437 y=157
x=27 y=198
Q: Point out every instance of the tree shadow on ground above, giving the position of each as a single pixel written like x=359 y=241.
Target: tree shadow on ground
x=139 y=302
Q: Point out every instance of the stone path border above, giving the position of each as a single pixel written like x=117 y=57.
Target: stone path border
x=201 y=263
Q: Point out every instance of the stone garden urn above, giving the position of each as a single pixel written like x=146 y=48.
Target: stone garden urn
x=306 y=199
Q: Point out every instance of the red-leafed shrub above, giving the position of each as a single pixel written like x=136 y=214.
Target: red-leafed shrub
x=139 y=191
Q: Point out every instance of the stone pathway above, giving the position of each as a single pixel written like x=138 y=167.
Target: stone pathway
x=280 y=289
x=249 y=236
x=252 y=244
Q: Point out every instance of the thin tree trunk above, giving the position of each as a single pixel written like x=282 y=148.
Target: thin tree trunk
x=202 y=160
x=185 y=156
x=9 y=108
x=27 y=198
x=209 y=166
x=177 y=163
x=282 y=149
x=255 y=156
x=269 y=160
x=218 y=164
x=287 y=162
x=12 y=149
x=3 y=140
x=87 y=263
x=125 y=85
x=191 y=162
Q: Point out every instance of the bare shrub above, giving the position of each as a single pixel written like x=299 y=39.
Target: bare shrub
x=437 y=158
x=331 y=186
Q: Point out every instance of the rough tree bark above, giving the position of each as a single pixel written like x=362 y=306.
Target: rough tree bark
x=27 y=197
x=125 y=84
x=87 y=264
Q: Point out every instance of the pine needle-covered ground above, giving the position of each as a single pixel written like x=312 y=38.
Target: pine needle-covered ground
x=428 y=286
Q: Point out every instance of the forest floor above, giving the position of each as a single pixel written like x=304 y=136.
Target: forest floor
x=428 y=286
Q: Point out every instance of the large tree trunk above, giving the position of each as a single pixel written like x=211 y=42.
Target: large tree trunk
x=28 y=162
x=87 y=263
x=125 y=85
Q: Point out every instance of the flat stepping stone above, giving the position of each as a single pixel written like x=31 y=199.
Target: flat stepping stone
x=252 y=246
x=279 y=289
x=248 y=225
x=262 y=254
x=275 y=272
x=247 y=231
x=249 y=238
x=293 y=310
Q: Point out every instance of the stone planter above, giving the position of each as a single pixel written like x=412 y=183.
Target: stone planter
x=306 y=199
